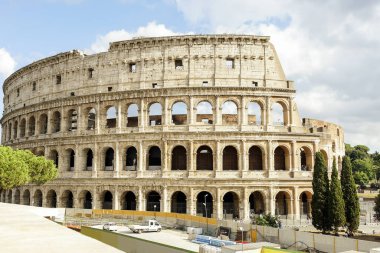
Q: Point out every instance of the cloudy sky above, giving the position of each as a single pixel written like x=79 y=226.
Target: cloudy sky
x=331 y=49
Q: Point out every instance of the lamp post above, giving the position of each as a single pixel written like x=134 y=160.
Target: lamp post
x=154 y=206
x=205 y=204
x=242 y=234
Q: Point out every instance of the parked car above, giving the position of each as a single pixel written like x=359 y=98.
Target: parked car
x=110 y=226
x=150 y=226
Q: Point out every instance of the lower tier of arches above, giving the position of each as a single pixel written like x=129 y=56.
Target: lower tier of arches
x=206 y=199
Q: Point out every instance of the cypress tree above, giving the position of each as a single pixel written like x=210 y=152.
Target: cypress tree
x=336 y=203
x=319 y=202
x=350 y=196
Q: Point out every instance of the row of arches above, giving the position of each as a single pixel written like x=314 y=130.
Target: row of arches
x=179 y=157
x=204 y=113
x=204 y=201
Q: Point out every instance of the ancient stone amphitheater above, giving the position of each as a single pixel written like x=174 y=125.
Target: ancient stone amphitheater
x=199 y=124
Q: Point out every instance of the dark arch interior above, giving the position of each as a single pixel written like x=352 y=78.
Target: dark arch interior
x=131 y=159
x=129 y=201
x=178 y=202
x=231 y=205
x=230 y=158
x=255 y=158
x=154 y=156
x=153 y=201
x=179 y=159
x=279 y=159
x=107 y=200
x=204 y=158
x=202 y=199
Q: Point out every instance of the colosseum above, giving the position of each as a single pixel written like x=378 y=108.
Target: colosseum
x=198 y=124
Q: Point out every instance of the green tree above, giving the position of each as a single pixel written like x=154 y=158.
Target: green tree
x=365 y=166
x=319 y=202
x=377 y=208
x=336 y=203
x=350 y=196
x=13 y=171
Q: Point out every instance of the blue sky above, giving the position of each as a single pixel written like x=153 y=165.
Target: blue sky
x=329 y=48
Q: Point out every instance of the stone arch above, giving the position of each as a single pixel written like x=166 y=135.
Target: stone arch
x=109 y=159
x=255 y=158
x=205 y=204
x=283 y=203
x=179 y=113
x=133 y=115
x=51 y=199
x=128 y=200
x=179 y=158
x=106 y=199
x=32 y=126
x=16 y=196
x=257 y=203
x=230 y=158
x=70 y=159
x=85 y=199
x=72 y=120
x=154 y=158
x=231 y=205
x=111 y=115
x=37 y=197
x=279 y=113
x=56 y=122
x=254 y=112
x=43 y=123
x=91 y=118
x=178 y=202
x=10 y=131
x=15 y=130
x=306 y=158
x=67 y=199
x=22 y=127
x=305 y=203
x=153 y=201
x=155 y=114
x=26 y=197
x=89 y=161
x=281 y=158
x=229 y=113
x=204 y=112
x=204 y=158
x=131 y=158
x=54 y=156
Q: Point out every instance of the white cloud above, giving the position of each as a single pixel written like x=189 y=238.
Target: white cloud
x=7 y=63
x=329 y=48
x=150 y=30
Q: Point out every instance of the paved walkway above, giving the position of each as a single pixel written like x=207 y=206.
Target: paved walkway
x=23 y=229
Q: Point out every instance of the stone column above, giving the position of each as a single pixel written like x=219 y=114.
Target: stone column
x=141 y=117
x=141 y=163
x=166 y=113
x=141 y=206
x=218 y=113
x=164 y=202
x=272 y=201
x=290 y=112
x=49 y=122
x=297 y=202
x=95 y=160
x=191 y=112
x=190 y=203
x=268 y=114
x=119 y=116
x=295 y=163
x=165 y=156
x=98 y=118
x=245 y=204
x=219 y=204
x=116 y=202
x=217 y=159
x=244 y=112
x=117 y=163
x=270 y=158
x=95 y=204
x=243 y=157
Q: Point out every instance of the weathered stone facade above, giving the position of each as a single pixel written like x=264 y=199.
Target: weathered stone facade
x=167 y=124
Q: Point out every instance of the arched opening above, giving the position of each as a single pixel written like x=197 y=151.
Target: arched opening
x=231 y=205
x=109 y=159
x=179 y=113
x=278 y=114
x=283 y=203
x=67 y=199
x=22 y=128
x=325 y=157
x=204 y=204
x=71 y=159
x=91 y=118
x=9 y=196
x=26 y=198
x=256 y=203
x=56 y=122
x=131 y=158
x=154 y=159
x=106 y=199
x=85 y=200
x=155 y=114
x=305 y=204
x=254 y=113
x=280 y=158
x=111 y=117
x=306 y=158
x=31 y=126
x=43 y=123
x=153 y=200
x=133 y=115
x=38 y=198
x=204 y=113
x=10 y=131
x=179 y=158
x=16 y=197
x=128 y=201
x=229 y=113
x=230 y=158
x=15 y=128
x=204 y=158
x=178 y=202
x=255 y=158
x=54 y=157
x=51 y=199
x=89 y=159
x=72 y=120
